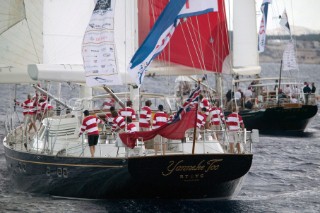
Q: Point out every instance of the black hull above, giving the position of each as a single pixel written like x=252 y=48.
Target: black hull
x=211 y=176
x=279 y=120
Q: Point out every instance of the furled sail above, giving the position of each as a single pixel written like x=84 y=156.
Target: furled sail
x=199 y=44
x=245 y=40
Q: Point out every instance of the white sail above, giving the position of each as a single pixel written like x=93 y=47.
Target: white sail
x=47 y=32
x=63 y=42
x=245 y=40
x=289 y=58
x=64 y=23
x=20 y=38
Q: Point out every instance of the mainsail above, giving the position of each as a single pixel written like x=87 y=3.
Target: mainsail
x=245 y=40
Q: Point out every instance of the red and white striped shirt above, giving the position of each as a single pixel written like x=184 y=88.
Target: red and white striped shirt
x=109 y=118
x=201 y=119
x=234 y=121
x=131 y=127
x=160 y=118
x=109 y=102
x=29 y=107
x=90 y=124
x=145 y=116
x=45 y=106
x=204 y=103
x=216 y=115
x=118 y=123
x=128 y=112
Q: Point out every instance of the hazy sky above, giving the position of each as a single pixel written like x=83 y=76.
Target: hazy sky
x=301 y=13
x=304 y=13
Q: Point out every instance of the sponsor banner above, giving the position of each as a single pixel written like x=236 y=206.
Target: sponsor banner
x=98 y=47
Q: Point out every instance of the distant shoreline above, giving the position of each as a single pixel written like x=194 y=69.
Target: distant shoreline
x=307 y=52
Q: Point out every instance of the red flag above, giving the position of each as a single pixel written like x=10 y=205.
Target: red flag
x=173 y=130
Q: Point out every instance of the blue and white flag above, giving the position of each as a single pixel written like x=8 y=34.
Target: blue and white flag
x=263 y=25
x=162 y=31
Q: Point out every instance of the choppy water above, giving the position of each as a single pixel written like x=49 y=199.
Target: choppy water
x=284 y=177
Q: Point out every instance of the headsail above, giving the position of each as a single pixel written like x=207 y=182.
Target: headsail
x=186 y=48
x=98 y=47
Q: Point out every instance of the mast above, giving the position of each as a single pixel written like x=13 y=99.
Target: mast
x=195 y=124
x=134 y=91
x=277 y=92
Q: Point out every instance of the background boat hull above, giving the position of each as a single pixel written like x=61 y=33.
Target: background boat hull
x=279 y=119
x=216 y=176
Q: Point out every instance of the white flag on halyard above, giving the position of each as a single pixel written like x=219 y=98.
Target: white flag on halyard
x=289 y=58
x=284 y=21
x=98 y=46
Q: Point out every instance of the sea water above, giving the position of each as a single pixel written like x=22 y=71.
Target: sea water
x=284 y=177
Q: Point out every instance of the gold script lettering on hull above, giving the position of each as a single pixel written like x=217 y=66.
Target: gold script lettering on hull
x=191 y=172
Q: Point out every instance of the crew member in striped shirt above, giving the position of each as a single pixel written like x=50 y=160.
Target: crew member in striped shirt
x=131 y=127
x=29 y=107
x=118 y=126
x=128 y=111
x=108 y=116
x=118 y=122
x=145 y=117
x=234 y=122
x=201 y=120
x=215 y=119
x=90 y=125
x=108 y=103
x=46 y=109
x=204 y=103
x=160 y=118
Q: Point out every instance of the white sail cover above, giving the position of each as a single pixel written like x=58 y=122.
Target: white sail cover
x=289 y=58
x=245 y=40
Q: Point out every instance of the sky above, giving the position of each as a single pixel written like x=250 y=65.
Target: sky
x=302 y=13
